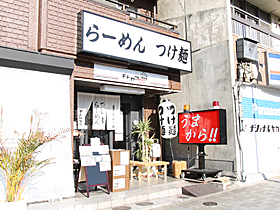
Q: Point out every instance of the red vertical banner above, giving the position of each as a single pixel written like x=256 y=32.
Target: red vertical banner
x=202 y=127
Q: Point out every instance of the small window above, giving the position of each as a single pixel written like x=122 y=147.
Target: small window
x=252 y=10
x=264 y=16
x=241 y=5
x=238 y=3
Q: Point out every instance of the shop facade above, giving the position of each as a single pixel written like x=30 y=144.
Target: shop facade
x=95 y=67
x=260 y=130
x=126 y=87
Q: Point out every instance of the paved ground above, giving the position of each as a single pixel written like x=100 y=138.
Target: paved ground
x=264 y=195
x=157 y=189
x=167 y=196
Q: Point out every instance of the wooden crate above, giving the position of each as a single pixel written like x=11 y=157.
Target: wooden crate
x=119 y=174
x=177 y=167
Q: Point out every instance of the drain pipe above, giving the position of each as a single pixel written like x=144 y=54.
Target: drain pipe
x=236 y=103
x=236 y=92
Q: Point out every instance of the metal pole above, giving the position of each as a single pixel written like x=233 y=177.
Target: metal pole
x=188 y=156
x=201 y=156
x=171 y=149
x=111 y=139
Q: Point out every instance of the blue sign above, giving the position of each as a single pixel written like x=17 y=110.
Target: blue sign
x=260 y=109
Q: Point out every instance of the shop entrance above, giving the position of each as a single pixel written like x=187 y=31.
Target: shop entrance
x=131 y=110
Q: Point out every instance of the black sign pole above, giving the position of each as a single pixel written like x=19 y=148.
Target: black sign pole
x=201 y=156
x=171 y=149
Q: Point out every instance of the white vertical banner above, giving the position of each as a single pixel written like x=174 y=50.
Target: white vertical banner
x=84 y=101
x=105 y=111
x=99 y=112
x=119 y=128
x=113 y=111
x=168 y=119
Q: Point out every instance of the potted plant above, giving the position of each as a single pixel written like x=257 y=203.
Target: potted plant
x=18 y=164
x=142 y=128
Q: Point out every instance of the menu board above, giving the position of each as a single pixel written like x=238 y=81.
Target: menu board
x=96 y=160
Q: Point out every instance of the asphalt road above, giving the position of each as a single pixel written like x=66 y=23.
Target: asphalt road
x=264 y=195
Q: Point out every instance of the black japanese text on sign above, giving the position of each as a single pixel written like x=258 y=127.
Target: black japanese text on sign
x=106 y=36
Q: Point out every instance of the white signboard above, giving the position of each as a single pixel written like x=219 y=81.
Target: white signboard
x=124 y=158
x=118 y=183
x=105 y=166
x=260 y=130
x=108 y=37
x=88 y=161
x=119 y=170
x=106 y=158
x=103 y=149
x=156 y=150
x=85 y=151
x=130 y=76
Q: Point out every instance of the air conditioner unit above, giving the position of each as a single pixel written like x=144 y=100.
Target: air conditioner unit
x=246 y=49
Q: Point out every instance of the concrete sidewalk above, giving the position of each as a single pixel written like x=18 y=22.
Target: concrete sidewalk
x=160 y=194
x=159 y=191
x=261 y=195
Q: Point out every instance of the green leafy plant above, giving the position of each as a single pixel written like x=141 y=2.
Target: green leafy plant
x=20 y=163
x=142 y=128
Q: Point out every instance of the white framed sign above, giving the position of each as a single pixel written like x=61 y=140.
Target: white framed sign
x=273 y=62
x=130 y=76
x=109 y=37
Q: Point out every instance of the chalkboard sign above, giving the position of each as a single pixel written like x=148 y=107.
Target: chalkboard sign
x=95 y=177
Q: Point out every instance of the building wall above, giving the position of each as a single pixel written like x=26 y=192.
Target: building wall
x=262 y=61
x=50 y=28
x=56 y=25
x=18 y=24
x=22 y=69
x=61 y=23
x=207 y=29
x=257 y=155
